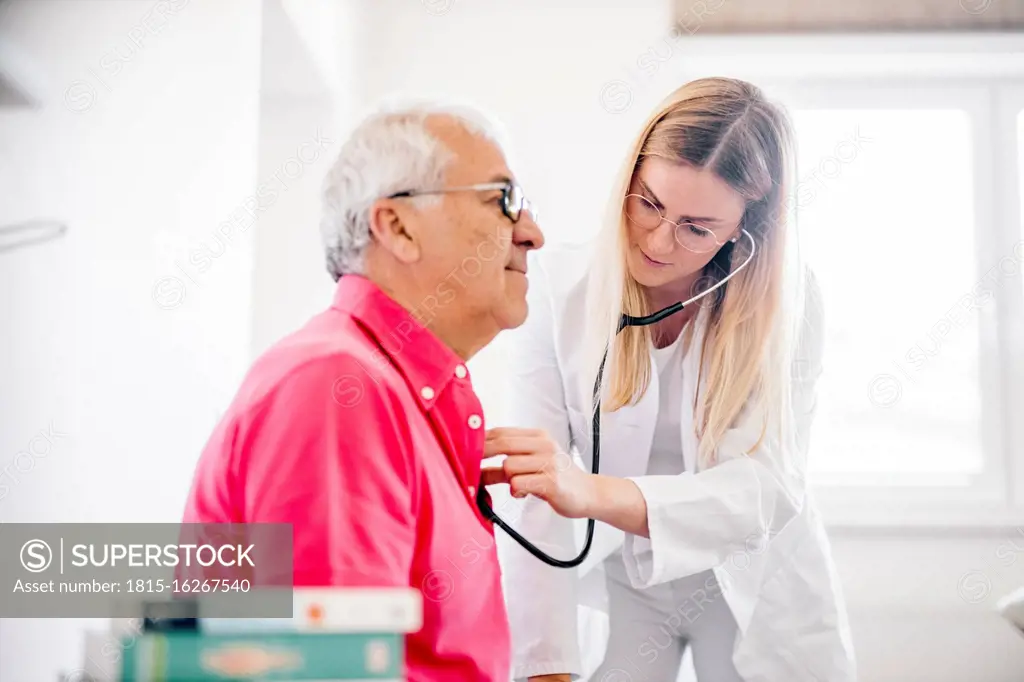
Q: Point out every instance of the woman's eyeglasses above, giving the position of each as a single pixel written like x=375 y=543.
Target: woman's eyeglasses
x=513 y=201
x=643 y=213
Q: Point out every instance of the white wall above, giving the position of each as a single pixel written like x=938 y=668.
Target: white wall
x=145 y=146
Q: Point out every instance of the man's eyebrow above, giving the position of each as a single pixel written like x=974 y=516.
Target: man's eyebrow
x=500 y=178
x=657 y=202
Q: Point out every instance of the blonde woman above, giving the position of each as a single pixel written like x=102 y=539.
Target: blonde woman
x=706 y=537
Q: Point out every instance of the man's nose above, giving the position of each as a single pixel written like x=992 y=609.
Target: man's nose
x=527 y=232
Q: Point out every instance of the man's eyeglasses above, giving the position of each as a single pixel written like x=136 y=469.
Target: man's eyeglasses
x=513 y=201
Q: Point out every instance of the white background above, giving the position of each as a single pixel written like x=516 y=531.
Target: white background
x=144 y=164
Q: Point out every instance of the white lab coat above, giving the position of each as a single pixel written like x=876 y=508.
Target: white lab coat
x=747 y=518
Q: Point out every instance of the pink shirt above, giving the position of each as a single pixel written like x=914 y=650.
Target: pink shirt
x=362 y=430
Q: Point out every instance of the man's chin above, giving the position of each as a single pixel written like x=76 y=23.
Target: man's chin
x=514 y=314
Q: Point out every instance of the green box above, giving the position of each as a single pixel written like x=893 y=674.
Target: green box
x=278 y=656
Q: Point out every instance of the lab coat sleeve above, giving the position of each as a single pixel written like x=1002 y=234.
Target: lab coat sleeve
x=697 y=521
x=542 y=599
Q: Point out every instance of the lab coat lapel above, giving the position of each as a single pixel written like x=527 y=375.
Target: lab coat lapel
x=626 y=437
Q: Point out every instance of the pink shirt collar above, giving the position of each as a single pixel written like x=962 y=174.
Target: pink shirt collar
x=426 y=362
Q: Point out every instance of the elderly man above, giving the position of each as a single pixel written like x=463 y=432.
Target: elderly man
x=362 y=429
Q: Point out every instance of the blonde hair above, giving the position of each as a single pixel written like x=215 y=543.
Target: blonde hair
x=728 y=127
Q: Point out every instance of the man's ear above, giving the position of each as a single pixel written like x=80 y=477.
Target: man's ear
x=390 y=223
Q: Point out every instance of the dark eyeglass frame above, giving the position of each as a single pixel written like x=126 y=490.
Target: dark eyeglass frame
x=513 y=200
x=718 y=243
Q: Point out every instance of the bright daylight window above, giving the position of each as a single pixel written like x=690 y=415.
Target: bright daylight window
x=901 y=220
x=890 y=231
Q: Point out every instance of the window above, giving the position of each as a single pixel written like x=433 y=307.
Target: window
x=902 y=215
x=885 y=210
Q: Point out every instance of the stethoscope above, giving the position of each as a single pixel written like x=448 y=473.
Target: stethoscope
x=625 y=321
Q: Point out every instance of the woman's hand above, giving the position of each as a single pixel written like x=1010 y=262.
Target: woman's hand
x=537 y=466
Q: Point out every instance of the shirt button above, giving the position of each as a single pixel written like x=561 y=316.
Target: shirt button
x=460 y=371
x=472 y=490
x=427 y=392
x=475 y=421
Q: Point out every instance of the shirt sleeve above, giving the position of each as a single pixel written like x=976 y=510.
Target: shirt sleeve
x=329 y=454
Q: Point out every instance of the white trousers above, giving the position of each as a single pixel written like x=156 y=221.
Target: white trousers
x=650 y=629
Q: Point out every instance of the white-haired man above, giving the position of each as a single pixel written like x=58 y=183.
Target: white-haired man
x=362 y=429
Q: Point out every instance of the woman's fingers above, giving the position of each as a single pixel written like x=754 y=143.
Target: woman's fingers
x=527 y=464
x=530 y=484
x=515 y=466
x=493 y=476
x=512 y=441
x=506 y=431
x=535 y=465
x=526 y=471
x=515 y=445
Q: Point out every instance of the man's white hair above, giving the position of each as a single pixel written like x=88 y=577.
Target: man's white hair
x=389 y=151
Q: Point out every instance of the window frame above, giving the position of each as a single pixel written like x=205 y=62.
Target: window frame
x=1008 y=184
